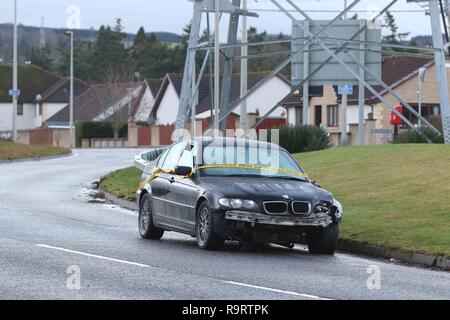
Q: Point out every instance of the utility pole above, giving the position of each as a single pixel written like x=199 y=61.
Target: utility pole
x=244 y=70
x=15 y=97
x=217 y=66
x=345 y=7
x=71 y=92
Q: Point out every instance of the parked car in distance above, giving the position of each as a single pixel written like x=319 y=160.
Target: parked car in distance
x=218 y=189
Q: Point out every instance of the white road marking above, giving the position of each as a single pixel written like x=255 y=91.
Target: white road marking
x=308 y=296
x=97 y=256
x=276 y=290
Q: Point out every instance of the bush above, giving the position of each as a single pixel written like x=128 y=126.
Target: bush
x=98 y=130
x=304 y=138
x=414 y=136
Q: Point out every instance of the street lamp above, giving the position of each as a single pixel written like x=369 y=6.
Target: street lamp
x=15 y=85
x=422 y=73
x=71 y=91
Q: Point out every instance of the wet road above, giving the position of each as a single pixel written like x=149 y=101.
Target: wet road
x=56 y=245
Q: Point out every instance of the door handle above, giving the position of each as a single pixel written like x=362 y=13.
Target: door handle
x=172 y=180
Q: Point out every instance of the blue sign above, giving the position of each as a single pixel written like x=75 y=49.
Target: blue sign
x=345 y=89
x=14 y=92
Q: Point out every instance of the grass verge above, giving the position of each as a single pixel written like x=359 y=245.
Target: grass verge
x=16 y=151
x=122 y=183
x=393 y=195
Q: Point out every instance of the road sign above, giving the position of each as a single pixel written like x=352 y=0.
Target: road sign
x=14 y=92
x=345 y=89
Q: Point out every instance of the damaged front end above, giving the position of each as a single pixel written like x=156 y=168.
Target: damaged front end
x=283 y=228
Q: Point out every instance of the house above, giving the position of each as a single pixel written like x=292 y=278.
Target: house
x=42 y=95
x=167 y=101
x=398 y=72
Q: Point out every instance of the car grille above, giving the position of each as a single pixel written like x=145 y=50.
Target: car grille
x=301 y=207
x=276 y=207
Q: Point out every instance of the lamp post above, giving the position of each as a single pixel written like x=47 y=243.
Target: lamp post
x=15 y=85
x=71 y=91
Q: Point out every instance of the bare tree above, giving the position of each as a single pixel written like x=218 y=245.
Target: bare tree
x=115 y=97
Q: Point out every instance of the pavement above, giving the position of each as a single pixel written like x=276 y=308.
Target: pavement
x=56 y=245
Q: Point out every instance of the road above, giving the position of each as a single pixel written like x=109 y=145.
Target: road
x=52 y=240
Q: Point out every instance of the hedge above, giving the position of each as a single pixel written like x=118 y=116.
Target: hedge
x=98 y=130
x=302 y=138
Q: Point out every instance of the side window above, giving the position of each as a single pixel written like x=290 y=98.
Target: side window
x=173 y=157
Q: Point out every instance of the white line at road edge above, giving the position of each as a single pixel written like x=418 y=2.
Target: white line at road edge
x=276 y=290
x=96 y=256
x=308 y=296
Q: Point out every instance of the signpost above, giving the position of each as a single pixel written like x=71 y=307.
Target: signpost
x=14 y=93
x=345 y=90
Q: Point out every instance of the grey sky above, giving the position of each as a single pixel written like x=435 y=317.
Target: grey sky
x=172 y=15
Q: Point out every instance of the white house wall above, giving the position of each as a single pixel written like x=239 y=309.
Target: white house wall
x=266 y=97
x=50 y=109
x=146 y=105
x=26 y=121
x=168 y=107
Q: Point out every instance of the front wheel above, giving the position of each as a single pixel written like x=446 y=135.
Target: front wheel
x=146 y=228
x=324 y=240
x=207 y=239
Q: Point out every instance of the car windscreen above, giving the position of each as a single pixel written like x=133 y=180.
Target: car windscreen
x=249 y=161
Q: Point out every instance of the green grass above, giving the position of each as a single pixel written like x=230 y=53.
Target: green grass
x=15 y=151
x=393 y=195
x=122 y=183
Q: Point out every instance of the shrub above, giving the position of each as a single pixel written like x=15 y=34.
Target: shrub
x=98 y=130
x=303 y=138
x=414 y=136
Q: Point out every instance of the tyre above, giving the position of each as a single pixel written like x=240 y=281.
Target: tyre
x=207 y=239
x=324 y=240
x=146 y=228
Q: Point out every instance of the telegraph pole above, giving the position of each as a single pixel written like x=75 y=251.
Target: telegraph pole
x=15 y=96
x=71 y=91
x=244 y=70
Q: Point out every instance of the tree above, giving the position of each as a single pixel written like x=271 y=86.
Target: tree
x=108 y=52
x=115 y=97
x=41 y=57
x=394 y=37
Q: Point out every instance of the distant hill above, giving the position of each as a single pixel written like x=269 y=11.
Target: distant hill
x=29 y=37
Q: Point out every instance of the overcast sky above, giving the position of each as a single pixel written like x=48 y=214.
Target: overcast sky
x=172 y=15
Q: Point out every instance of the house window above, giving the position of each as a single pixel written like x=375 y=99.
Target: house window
x=333 y=116
x=20 y=109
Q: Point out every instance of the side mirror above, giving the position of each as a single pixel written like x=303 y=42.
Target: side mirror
x=183 y=171
x=316 y=184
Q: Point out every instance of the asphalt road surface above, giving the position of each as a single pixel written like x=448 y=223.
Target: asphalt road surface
x=56 y=245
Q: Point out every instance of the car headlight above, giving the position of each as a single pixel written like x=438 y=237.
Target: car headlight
x=340 y=209
x=238 y=204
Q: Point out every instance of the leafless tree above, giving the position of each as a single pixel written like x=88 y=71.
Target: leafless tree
x=115 y=97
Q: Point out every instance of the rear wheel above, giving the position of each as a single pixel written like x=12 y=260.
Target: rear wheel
x=324 y=240
x=146 y=228
x=207 y=239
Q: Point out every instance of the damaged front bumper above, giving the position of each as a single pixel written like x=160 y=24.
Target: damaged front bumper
x=312 y=220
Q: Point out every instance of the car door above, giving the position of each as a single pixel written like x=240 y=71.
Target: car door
x=159 y=189
x=163 y=183
x=183 y=194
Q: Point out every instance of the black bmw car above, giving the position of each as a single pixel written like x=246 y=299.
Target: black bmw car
x=218 y=189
